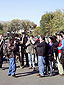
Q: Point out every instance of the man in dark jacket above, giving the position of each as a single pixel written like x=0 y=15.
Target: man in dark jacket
x=23 y=49
x=41 y=50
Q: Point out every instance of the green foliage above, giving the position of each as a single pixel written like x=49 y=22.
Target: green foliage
x=17 y=24
x=1 y=26
x=14 y=25
x=52 y=22
x=1 y=31
x=37 y=31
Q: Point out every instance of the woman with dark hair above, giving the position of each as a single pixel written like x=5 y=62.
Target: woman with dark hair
x=55 y=48
x=50 y=54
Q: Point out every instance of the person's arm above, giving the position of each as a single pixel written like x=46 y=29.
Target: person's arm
x=33 y=42
x=60 y=48
x=22 y=40
x=28 y=43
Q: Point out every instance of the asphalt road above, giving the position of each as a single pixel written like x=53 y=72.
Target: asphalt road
x=27 y=76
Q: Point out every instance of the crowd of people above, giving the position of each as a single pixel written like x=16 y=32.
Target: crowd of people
x=49 y=52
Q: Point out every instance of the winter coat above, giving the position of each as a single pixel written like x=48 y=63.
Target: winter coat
x=42 y=49
x=30 y=47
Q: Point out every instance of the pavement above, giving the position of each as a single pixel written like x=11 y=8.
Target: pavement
x=27 y=76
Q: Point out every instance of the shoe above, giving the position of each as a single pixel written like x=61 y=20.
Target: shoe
x=51 y=74
x=30 y=67
x=0 y=68
x=61 y=74
x=13 y=75
x=9 y=74
x=41 y=76
x=38 y=74
x=3 y=68
x=21 y=67
x=34 y=69
x=27 y=65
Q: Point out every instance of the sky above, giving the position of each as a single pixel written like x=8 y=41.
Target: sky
x=28 y=9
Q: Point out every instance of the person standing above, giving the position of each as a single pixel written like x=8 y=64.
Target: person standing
x=55 y=49
x=23 y=49
x=50 y=54
x=12 y=64
x=31 y=52
x=17 y=51
x=61 y=44
x=41 y=50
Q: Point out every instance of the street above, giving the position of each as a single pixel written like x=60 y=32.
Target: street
x=27 y=76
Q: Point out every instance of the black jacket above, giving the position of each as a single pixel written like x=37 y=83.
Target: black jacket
x=50 y=53
x=42 y=49
x=55 y=47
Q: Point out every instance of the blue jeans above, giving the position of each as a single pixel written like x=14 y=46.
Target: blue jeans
x=12 y=66
x=31 y=58
x=41 y=65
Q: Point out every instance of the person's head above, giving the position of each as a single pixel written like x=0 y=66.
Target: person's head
x=11 y=40
x=60 y=37
x=54 y=38
x=42 y=38
x=31 y=37
x=62 y=33
x=50 y=39
x=57 y=36
x=23 y=34
x=16 y=36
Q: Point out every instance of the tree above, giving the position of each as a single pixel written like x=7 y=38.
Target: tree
x=52 y=22
x=28 y=25
x=17 y=24
x=14 y=25
x=1 y=26
x=37 y=31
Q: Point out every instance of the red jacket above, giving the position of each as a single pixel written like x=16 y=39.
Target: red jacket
x=60 y=44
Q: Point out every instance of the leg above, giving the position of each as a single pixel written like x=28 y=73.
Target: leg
x=26 y=54
x=10 y=66
x=22 y=58
x=41 y=63
x=29 y=57
x=1 y=60
x=33 y=60
x=47 y=64
x=13 y=66
x=51 y=70
x=60 y=67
